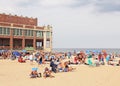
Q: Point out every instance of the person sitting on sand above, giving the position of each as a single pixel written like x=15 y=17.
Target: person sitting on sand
x=108 y=59
x=118 y=63
x=96 y=62
x=34 y=73
x=67 y=68
x=60 y=67
x=102 y=60
x=53 y=66
x=47 y=73
x=75 y=60
x=20 y=59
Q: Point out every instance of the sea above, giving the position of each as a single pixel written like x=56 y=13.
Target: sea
x=108 y=50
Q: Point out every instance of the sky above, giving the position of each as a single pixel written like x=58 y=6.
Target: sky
x=76 y=23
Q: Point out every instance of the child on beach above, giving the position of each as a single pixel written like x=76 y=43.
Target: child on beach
x=34 y=73
x=31 y=58
x=47 y=73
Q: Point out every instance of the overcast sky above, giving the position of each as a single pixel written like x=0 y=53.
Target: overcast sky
x=76 y=23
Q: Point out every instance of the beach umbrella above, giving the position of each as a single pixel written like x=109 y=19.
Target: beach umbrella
x=95 y=51
x=16 y=53
x=24 y=51
x=78 y=53
x=87 y=51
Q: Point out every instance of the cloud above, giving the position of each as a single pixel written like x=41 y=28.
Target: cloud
x=27 y=3
x=80 y=3
x=107 y=5
x=76 y=23
x=53 y=3
x=99 y=5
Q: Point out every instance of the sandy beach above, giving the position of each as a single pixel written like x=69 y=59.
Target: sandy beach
x=13 y=73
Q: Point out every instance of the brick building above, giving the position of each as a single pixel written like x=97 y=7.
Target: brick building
x=17 y=32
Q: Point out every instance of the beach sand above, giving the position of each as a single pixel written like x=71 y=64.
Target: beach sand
x=13 y=73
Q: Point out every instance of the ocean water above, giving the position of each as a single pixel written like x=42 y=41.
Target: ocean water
x=108 y=50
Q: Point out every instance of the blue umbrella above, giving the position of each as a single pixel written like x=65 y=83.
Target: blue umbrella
x=16 y=53
x=88 y=51
x=24 y=51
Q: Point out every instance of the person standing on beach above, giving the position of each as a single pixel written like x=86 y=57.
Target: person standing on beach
x=40 y=60
x=69 y=55
x=31 y=58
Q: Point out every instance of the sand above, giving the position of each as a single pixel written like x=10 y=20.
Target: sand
x=13 y=73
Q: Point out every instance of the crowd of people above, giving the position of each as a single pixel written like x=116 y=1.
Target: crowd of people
x=61 y=62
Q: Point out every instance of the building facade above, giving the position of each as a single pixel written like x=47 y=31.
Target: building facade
x=17 y=32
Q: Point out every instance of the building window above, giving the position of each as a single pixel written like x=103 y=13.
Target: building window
x=4 y=31
x=17 y=32
x=28 y=32
x=20 y=31
x=31 y=33
x=0 y=30
x=39 y=33
x=47 y=34
x=7 y=31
